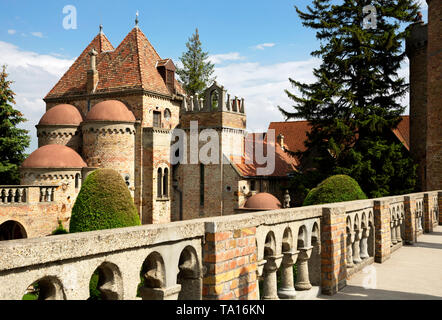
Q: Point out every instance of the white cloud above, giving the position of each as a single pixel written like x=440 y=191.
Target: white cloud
x=262 y=46
x=262 y=87
x=12 y=31
x=220 y=58
x=37 y=34
x=423 y=4
x=33 y=75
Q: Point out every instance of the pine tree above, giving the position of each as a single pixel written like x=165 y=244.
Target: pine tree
x=13 y=141
x=196 y=73
x=353 y=103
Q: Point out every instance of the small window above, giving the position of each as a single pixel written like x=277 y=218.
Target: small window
x=201 y=184
x=77 y=181
x=167 y=114
x=166 y=183
x=214 y=101
x=157 y=119
x=253 y=185
x=159 y=182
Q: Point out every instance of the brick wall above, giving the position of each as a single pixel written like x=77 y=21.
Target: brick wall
x=230 y=258
x=382 y=230
x=333 y=265
x=434 y=105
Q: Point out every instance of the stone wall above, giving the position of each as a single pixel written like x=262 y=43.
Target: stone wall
x=65 y=135
x=234 y=257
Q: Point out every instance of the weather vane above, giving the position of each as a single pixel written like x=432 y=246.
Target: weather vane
x=136 y=19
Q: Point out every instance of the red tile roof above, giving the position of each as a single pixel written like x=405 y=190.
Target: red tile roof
x=295 y=133
x=131 y=65
x=284 y=163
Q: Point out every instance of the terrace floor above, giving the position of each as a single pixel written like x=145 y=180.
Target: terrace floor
x=412 y=273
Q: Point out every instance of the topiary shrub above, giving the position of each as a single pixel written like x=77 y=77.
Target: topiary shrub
x=60 y=229
x=104 y=202
x=335 y=189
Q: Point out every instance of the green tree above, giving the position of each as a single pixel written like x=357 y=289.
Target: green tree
x=197 y=71
x=353 y=103
x=13 y=141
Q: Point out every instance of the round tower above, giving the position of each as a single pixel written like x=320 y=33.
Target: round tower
x=416 y=49
x=54 y=165
x=109 y=139
x=60 y=125
x=434 y=93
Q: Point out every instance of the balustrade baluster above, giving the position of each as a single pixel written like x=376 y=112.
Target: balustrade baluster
x=302 y=276
x=287 y=290
x=349 y=256
x=270 y=289
x=364 y=243
x=356 y=247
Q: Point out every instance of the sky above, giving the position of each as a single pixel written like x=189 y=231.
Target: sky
x=255 y=45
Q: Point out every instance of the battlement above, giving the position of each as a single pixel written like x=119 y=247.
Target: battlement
x=215 y=98
x=418 y=37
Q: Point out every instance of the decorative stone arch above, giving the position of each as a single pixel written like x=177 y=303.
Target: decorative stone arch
x=189 y=275
x=110 y=282
x=12 y=229
x=314 y=263
x=287 y=244
x=356 y=223
x=153 y=274
x=47 y=288
x=364 y=221
x=303 y=238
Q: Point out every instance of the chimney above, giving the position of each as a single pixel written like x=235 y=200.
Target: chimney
x=281 y=140
x=92 y=73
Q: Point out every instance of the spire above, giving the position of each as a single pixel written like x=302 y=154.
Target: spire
x=136 y=19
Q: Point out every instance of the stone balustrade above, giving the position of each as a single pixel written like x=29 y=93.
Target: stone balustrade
x=14 y=194
x=230 y=257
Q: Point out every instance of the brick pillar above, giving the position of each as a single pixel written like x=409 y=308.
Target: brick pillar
x=439 y=203
x=428 y=216
x=410 y=220
x=382 y=230
x=333 y=240
x=229 y=257
x=434 y=92
x=416 y=49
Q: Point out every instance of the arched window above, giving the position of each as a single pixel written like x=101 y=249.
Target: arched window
x=159 y=182
x=214 y=100
x=77 y=181
x=166 y=183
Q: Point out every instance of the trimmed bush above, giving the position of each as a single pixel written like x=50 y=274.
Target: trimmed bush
x=335 y=189
x=60 y=229
x=104 y=202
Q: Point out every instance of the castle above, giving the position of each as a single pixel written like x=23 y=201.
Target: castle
x=117 y=108
x=120 y=108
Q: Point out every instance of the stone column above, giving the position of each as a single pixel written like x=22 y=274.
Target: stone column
x=270 y=289
x=287 y=290
x=356 y=247
x=349 y=256
x=364 y=243
x=302 y=277
x=398 y=230
x=393 y=233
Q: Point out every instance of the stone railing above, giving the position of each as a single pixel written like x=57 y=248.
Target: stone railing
x=16 y=194
x=229 y=257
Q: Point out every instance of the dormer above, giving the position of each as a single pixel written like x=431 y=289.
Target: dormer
x=166 y=68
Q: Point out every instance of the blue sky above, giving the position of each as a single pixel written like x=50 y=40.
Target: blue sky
x=255 y=45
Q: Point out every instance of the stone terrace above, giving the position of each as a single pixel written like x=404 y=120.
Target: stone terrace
x=223 y=257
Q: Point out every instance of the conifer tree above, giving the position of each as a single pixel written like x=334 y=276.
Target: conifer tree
x=196 y=73
x=13 y=141
x=353 y=105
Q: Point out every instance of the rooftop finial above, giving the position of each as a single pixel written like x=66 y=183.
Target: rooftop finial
x=101 y=28
x=136 y=19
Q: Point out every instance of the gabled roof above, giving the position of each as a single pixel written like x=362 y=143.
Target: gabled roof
x=284 y=162
x=131 y=65
x=295 y=133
